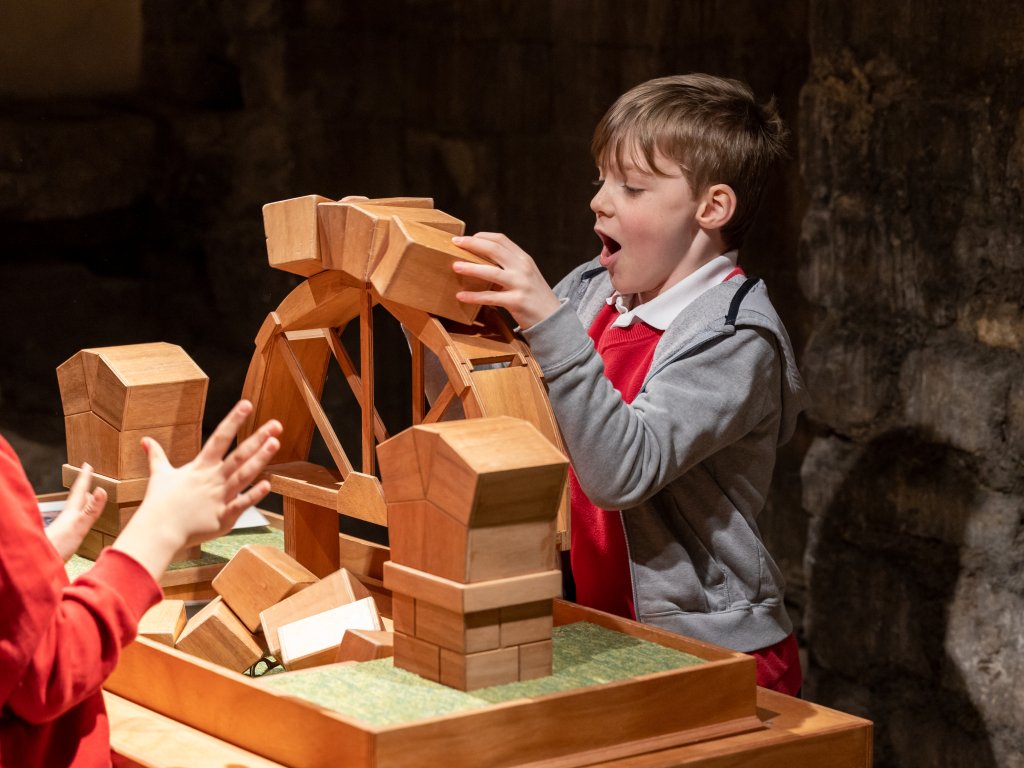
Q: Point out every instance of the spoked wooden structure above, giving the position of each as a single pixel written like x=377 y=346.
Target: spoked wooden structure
x=392 y=255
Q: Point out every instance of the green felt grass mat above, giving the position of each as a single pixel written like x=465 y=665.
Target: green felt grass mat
x=379 y=694
x=217 y=551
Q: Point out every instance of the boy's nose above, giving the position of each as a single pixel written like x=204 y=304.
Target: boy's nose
x=600 y=203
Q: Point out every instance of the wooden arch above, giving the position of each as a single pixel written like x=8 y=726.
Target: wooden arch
x=485 y=367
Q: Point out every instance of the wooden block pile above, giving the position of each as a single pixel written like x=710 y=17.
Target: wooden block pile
x=473 y=570
x=400 y=245
x=267 y=603
x=112 y=398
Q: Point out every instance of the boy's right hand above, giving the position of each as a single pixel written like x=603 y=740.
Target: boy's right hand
x=200 y=500
x=523 y=290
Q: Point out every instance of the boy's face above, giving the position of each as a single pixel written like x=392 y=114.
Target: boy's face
x=647 y=224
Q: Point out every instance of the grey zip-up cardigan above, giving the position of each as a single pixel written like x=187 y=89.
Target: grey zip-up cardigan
x=690 y=460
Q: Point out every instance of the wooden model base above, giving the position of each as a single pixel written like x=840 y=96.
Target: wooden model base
x=700 y=705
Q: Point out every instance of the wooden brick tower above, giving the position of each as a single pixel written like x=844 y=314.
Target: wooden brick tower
x=472 y=511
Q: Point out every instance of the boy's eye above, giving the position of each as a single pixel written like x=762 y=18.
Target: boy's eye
x=597 y=182
x=631 y=190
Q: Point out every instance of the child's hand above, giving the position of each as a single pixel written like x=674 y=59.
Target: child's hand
x=524 y=291
x=81 y=509
x=200 y=500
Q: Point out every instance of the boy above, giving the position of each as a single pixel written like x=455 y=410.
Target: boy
x=59 y=641
x=671 y=376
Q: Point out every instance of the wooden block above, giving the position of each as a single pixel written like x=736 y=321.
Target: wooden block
x=354 y=235
x=482 y=471
x=415 y=270
x=535 y=660
x=163 y=622
x=334 y=590
x=293 y=241
x=311 y=535
x=118 y=491
x=479 y=670
x=401 y=469
x=257 y=577
x=366 y=645
x=403 y=613
x=218 y=635
x=468 y=598
x=315 y=640
x=114 y=517
x=503 y=551
x=460 y=632
x=423 y=537
x=119 y=454
x=417 y=656
x=365 y=558
x=526 y=623
x=403 y=202
x=136 y=386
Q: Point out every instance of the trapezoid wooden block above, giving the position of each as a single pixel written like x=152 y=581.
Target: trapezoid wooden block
x=354 y=235
x=219 y=636
x=315 y=640
x=415 y=271
x=164 y=622
x=366 y=645
x=292 y=230
x=489 y=471
x=332 y=591
x=118 y=491
x=135 y=386
x=119 y=454
x=257 y=577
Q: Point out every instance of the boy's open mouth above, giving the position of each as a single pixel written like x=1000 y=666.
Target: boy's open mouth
x=611 y=245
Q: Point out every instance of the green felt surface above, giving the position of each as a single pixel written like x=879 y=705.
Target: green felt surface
x=379 y=694
x=217 y=551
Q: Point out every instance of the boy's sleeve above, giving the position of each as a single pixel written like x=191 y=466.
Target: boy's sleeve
x=624 y=453
x=58 y=641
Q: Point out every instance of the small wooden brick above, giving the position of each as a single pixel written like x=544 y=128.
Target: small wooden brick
x=315 y=640
x=526 y=623
x=535 y=660
x=93 y=544
x=114 y=517
x=292 y=230
x=163 y=622
x=366 y=645
x=403 y=613
x=337 y=589
x=257 y=577
x=460 y=632
x=218 y=635
x=467 y=672
x=417 y=656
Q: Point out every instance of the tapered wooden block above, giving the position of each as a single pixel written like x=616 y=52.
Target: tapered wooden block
x=535 y=659
x=256 y=578
x=118 y=491
x=366 y=645
x=467 y=672
x=460 y=632
x=292 y=230
x=315 y=640
x=218 y=635
x=468 y=598
x=334 y=590
x=163 y=622
x=489 y=471
x=135 y=386
x=415 y=271
x=354 y=236
x=119 y=454
x=417 y=656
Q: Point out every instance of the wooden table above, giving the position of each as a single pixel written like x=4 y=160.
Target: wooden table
x=796 y=734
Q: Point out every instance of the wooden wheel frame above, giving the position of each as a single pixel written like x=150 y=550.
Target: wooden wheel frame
x=487 y=369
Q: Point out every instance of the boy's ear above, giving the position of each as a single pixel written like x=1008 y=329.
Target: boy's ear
x=717 y=206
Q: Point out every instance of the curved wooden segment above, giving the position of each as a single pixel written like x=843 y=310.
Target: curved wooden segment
x=325 y=300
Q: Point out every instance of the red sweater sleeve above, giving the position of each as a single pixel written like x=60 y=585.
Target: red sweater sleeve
x=58 y=641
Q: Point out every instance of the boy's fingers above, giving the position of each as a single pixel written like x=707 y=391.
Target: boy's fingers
x=220 y=441
x=96 y=502
x=77 y=494
x=255 y=464
x=250 y=446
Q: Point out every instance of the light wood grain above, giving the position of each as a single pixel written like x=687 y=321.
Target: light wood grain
x=217 y=635
x=257 y=577
x=293 y=242
x=163 y=622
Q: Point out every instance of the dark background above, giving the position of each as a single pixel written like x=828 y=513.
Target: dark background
x=139 y=140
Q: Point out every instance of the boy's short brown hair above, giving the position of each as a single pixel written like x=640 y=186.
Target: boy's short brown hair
x=712 y=126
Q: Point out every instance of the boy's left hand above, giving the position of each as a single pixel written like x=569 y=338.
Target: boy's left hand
x=524 y=291
x=81 y=509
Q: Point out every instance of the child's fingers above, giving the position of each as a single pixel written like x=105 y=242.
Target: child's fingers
x=95 y=503
x=155 y=453
x=250 y=446
x=252 y=466
x=79 y=489
x=220 y=441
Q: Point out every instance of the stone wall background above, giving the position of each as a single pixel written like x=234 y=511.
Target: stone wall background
x=130 y=211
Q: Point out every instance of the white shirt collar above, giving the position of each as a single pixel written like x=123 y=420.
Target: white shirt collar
x=660 y=311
